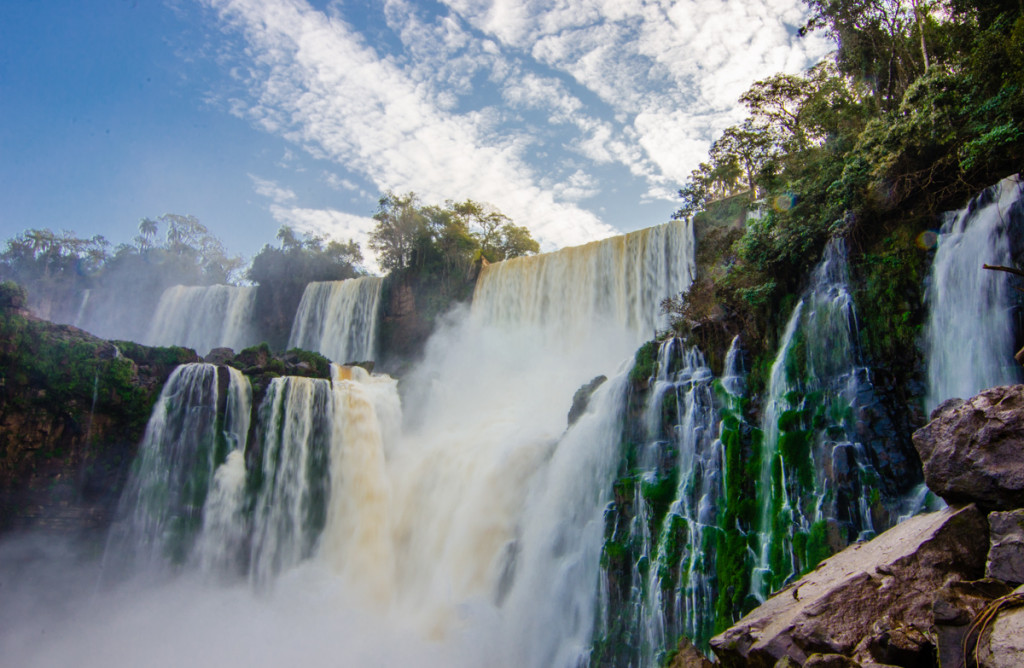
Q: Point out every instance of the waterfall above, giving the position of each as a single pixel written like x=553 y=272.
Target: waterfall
x=673 y=500
x=204 y=318
x=816 y=477
x=970 y=331
x=188 y=436
x=619 y=282
x=338 y=319
x=463 y=526
x=293 y=449
x=80 y=314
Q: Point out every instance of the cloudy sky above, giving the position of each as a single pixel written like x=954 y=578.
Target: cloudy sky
x=577 y=118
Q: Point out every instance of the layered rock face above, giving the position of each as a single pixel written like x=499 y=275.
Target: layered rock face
x=928 y=589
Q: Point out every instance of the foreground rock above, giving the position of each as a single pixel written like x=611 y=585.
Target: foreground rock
x=972 y=450
x=872 y=602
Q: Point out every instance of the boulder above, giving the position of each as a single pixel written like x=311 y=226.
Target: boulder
x=872 y=601
x=219 y=356
x=971 y=451
x=1006 y=546
x=581 y=399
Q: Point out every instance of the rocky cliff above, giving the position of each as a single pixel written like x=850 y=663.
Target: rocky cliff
x=72 y=409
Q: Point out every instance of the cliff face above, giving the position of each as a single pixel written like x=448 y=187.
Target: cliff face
x=72 y=411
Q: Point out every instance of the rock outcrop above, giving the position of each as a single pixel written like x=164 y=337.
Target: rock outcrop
x=1002 y=645
x=867 y=602
x=72 y=411
x=973 y=451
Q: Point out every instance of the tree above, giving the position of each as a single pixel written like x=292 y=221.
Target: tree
x=400 y=223
x=516 y=241
x=749 y=147
x=879 y=41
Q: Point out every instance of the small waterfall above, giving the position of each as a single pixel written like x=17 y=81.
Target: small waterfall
x=189 y=435
x=674 y=499
x=204 y=318
x=817 y=484
x=619 y=282
x=970 y=332
x=358 y=539
x=338 y=319
x=288 y=470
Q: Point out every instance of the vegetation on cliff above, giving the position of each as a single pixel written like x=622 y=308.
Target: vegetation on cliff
x=921 y=106
x=72 y=410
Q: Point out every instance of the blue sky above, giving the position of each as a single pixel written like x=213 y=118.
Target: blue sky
x=577 y=118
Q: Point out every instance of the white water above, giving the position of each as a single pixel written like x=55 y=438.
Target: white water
x=825 y=365
x=338 y=319
x=969 y=336
x=466 y=533
x=204 y=318
x=162 y=505
x=619 y=282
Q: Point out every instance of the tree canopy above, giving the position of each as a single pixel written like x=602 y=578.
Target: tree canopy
x=443 y=239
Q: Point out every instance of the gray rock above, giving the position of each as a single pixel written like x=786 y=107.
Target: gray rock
x=874 y=590
x=581 y=399
x=1006 y=546
x=219 y=356
x=972 y=451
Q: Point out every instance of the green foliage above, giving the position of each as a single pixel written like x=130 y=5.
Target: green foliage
x=303 y=260
x=68 y=377
x=645 y=363
x=12 y=296
x=443 y=240
x=890 y=301
x=320 y=365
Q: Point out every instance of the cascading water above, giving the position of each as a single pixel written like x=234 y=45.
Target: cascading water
x=970 y=332
x=470 y=535
x=816 y=478
x=338 y=319
x=289 y=463
x=189 y=435
x=204 y=318
x=80 y=314
x=619 y=281
x=667 y=525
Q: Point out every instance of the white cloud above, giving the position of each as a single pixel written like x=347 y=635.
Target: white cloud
x=511 y=102
x=272 y=190
x=654 y=63
x=315 y=81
